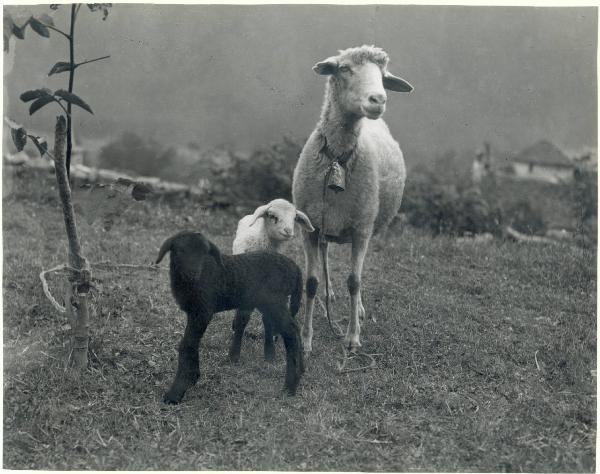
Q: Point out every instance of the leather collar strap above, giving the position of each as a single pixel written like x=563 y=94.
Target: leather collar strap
x=341 y=159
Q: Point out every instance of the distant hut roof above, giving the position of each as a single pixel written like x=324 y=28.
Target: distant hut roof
x=544 y=153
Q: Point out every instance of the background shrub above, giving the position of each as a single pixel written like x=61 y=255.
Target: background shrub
x=454 y=209
x=135 y=154
x=267 y=173
x=525 y=219
x=583 y=199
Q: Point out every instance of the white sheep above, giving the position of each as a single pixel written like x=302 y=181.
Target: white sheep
x=350 y=176
x=268 y=228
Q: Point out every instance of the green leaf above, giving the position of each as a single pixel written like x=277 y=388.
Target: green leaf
x=39 y=103
x=40 y=143
x=73 y=99
x=100 y=6
x=35 y=94
x=19 y=31
x=39 y=28
x=19 y=137
x=46 y=19
x=60 y=66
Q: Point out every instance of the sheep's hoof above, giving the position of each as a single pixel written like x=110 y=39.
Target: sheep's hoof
x=234 y=358
x=352 y=343
x=270 y=357
x=307 y=347
x=307 y=342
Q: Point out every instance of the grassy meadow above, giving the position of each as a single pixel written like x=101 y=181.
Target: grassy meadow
x=486 y=358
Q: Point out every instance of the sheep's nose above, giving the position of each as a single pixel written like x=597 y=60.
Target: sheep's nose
x=287 y=231
x=377 y=99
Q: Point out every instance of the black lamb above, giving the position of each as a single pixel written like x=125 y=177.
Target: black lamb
x=205 y=282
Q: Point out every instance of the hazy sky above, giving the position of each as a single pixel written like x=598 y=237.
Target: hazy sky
x=241 y=75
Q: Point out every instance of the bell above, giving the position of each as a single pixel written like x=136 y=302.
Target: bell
x=336 y=178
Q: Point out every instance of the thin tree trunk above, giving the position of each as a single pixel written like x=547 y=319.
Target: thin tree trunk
x=81 y=276
x=71 y=79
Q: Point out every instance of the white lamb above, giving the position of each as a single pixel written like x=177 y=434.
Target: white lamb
x=268 y=228
x=350 y=175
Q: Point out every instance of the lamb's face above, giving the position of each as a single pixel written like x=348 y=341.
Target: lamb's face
x=279 y=217
x=279 y=223
x=359 y=79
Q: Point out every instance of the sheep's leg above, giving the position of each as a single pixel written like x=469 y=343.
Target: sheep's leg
x=311 y=255
x=269 y=344
x=327 y=274
x=361 y=310
x=188 y=369
x=240 y=322
x=360 y=244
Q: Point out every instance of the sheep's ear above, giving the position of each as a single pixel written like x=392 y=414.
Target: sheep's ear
x=397 y=84
x=260 y=212
x=304 y=221
x=329 y=66
x=216 y=253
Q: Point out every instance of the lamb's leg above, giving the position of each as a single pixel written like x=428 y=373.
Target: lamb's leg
x=283 y=323
x=269 y=344
x=311 y=255
x=188 y=369
x=240 y=322
x=360 y=244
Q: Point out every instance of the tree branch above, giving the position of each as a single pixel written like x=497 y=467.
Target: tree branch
x=50 y=27
x=91 y=61
x=62 y=107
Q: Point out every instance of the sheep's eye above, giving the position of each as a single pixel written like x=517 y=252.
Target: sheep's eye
x=344 y=68
x=273 y=218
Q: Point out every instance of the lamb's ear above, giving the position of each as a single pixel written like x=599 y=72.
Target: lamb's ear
x=397 y=84
x=216 y=253
x=304 y=221
x=329 y=66
x=260 y=212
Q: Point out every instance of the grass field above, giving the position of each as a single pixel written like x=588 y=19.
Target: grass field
x=487 y=359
